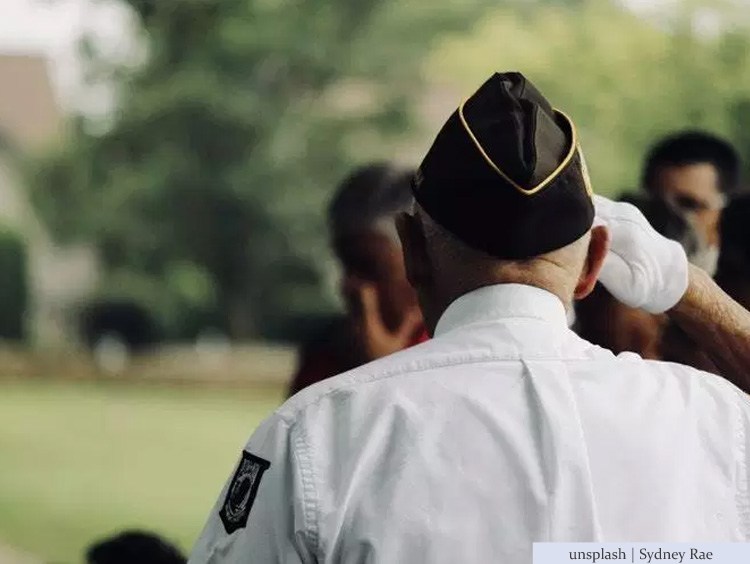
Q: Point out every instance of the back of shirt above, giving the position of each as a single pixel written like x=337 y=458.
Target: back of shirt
x=504 y=430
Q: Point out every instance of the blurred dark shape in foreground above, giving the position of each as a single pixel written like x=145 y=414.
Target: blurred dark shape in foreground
x=132 y=547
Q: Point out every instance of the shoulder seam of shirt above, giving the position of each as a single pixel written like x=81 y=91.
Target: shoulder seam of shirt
x=415 y=366
x=288 y=413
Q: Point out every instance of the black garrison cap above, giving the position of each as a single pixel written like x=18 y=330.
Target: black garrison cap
x=506 y=175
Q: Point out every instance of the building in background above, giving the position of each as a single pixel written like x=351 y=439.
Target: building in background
x=60 y=278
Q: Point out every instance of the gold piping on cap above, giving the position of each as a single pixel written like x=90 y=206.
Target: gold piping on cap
x=548 y=179
x=585 y=173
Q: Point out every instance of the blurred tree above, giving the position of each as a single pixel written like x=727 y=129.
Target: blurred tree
x=211 y=178
x=205 y=189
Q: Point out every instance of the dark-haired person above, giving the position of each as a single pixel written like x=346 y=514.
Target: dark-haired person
x=133 y=547
x=382 y=315
x=506 y=428
x=696 y=172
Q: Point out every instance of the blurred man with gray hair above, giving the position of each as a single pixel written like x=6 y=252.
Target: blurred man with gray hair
x=382 y=315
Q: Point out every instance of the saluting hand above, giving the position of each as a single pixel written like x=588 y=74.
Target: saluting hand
x=643 y=269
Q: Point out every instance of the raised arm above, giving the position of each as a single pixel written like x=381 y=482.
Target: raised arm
x=718 y=324
x=643 y=269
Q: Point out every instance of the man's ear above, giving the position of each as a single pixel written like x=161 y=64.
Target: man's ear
x=414 y=248
x=597 y=251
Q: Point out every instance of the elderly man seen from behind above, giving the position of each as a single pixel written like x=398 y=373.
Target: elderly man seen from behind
x=506 y=428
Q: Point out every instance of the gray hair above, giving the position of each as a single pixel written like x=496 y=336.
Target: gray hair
x=369 y=199
x=464 y=268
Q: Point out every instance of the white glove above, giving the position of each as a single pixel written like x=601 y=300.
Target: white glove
x=642 y=269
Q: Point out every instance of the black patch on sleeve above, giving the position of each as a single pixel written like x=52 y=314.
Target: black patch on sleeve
x=242 y=491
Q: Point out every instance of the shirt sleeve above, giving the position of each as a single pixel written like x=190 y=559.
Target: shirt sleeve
x=265 y=512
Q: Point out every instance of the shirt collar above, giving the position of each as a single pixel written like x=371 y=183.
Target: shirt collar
x=503 y=301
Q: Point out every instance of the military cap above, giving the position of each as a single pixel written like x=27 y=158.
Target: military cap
x=506 y=175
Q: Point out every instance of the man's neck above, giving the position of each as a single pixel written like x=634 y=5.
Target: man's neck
x=432 y=313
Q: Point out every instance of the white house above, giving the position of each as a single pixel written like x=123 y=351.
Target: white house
x=60 y=278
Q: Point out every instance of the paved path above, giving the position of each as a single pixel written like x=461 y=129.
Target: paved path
x=9 y=555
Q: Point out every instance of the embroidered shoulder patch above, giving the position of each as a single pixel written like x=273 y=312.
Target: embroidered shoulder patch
x=242 y=491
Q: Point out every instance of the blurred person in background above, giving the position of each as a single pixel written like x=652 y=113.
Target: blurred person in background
x=134 y=547
x=382 y=314
x=506 y=428
x=695 y=172
x=603 y=320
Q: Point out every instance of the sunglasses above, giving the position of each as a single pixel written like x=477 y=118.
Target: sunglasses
x=688 y=204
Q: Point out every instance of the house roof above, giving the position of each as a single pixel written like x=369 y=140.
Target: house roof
x=29 y=115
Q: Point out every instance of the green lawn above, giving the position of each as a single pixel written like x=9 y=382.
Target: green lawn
x=79 y=461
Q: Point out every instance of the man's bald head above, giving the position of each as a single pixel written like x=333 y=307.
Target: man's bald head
x=441 y=267
x=454 y=259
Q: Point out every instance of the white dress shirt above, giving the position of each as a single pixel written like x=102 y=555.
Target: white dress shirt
x=503 y=430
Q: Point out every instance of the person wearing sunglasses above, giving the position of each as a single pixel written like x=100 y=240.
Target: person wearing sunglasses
x=695 y=172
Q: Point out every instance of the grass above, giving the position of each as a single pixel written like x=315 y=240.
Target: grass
x=79 y=461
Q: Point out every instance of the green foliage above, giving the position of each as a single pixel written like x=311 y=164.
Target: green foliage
x=208 y=183
x=14 y=288
x=227 y=142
